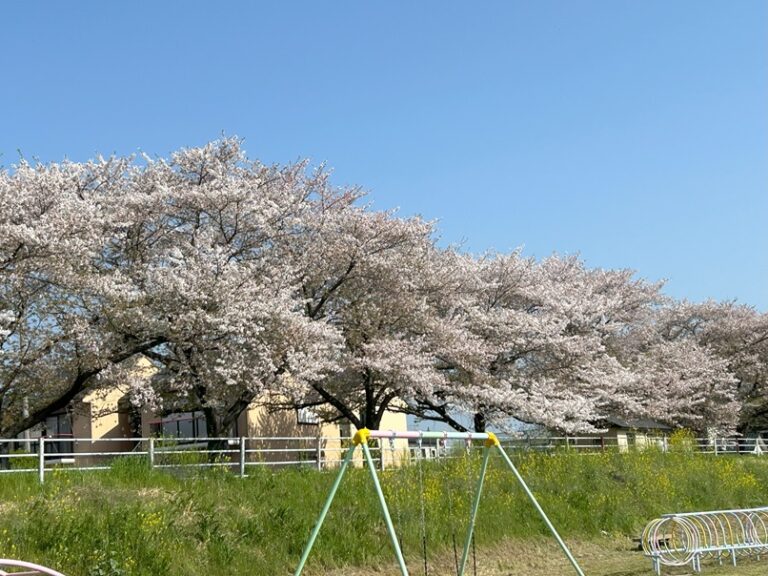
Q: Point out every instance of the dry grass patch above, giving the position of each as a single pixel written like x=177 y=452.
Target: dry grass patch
x=543 y=557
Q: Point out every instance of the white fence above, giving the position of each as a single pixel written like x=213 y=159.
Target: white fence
x=41 y=455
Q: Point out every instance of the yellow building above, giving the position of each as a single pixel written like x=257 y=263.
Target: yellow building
x=628 y=434
x=281 y=436
x=105 y=422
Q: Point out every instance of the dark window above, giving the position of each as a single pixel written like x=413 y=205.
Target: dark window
x=59 y=426
x=183 y=425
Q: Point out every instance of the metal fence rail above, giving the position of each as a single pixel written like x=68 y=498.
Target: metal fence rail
x=680 y=539
x=41 y=455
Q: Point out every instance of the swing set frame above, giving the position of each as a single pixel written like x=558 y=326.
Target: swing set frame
x=491 y=442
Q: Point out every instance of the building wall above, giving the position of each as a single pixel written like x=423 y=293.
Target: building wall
x=638 y=439
x=625 y=439
x=104 y=415
x=97 y=417
x=394 y=453
x=324 y=437
x=304 y=440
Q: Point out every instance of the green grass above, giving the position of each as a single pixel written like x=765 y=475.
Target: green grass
x=133 y=521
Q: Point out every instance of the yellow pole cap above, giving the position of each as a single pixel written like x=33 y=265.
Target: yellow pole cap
x=492 y=440
x=361 y=436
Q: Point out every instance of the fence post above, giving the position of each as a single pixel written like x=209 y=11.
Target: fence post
x=151 y=453
x=41 y=459
x=319 y=449
x=242 y=457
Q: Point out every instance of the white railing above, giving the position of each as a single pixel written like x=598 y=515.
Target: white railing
x=42 y=455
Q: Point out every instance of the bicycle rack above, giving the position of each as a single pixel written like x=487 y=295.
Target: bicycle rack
x=687 y=538
x=20 y=568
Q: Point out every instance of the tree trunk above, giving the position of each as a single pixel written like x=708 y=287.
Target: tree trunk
x=213 y=432
x=375 y=420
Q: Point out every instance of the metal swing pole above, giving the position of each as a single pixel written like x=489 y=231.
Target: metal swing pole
x=536 y=505
x=423 y=516
x=324 y=513
x=491 y=441
x=364 y=434
x=361 y=439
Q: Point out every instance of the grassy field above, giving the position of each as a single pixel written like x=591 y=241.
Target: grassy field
x=133 y=521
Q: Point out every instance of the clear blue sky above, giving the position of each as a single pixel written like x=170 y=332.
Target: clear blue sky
x=633 y=133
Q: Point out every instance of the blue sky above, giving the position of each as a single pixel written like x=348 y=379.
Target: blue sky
x=632 y=133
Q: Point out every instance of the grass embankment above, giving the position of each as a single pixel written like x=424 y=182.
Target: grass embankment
x=133 y=521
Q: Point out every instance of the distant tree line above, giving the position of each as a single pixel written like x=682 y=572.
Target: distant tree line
x=238 y=279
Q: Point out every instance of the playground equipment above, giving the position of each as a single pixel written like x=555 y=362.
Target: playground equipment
x=680 y=539
x=361 y=439
x=20 y=568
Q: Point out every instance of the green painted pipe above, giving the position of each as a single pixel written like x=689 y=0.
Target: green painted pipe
x=324 y=513
x=385 y=510
x=473 y=514
x=535 y=503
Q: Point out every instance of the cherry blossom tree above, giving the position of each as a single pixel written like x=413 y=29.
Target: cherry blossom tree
x=208 y=244
x=237 y=279
x=735 y=339
x=179 y=260
x=57 y=338
x=367 y=274
x=682 y=383
x=543 y=332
